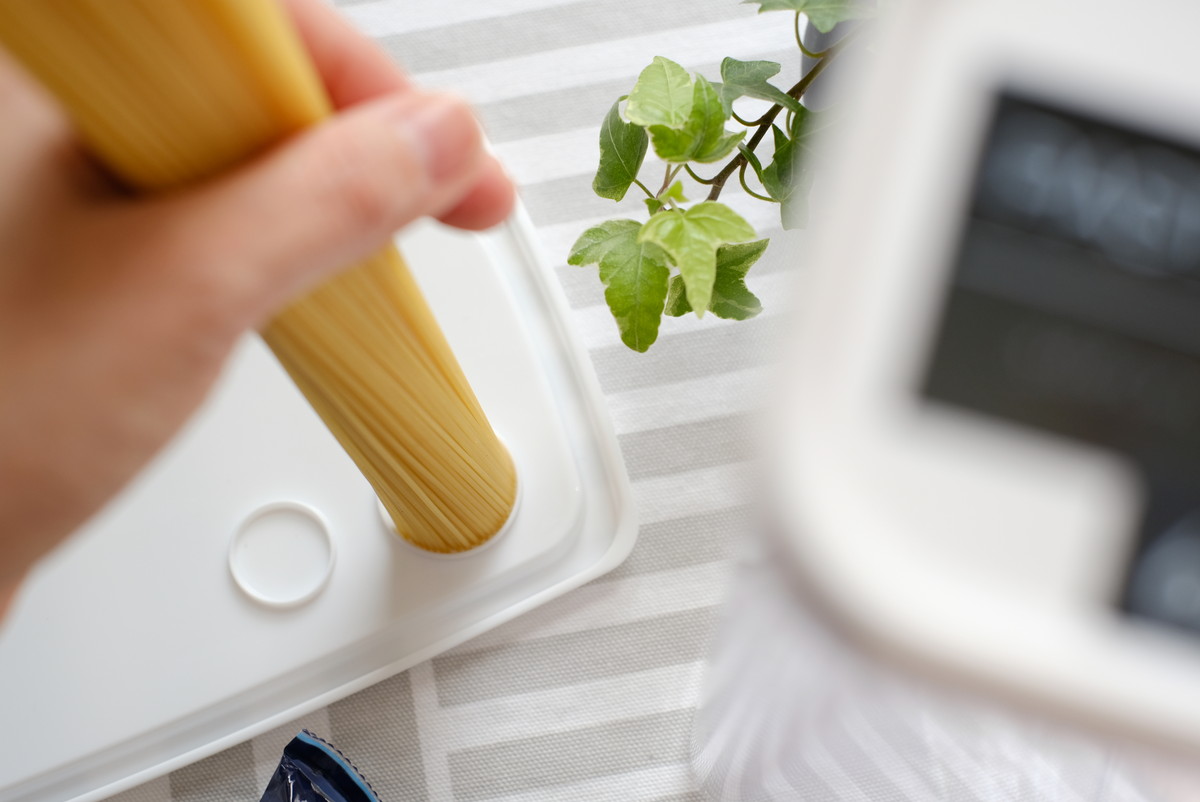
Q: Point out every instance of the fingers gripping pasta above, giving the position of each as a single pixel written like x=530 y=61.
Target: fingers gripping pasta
x=165 y=92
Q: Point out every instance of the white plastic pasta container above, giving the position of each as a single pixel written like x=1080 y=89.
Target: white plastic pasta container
x=249 y=577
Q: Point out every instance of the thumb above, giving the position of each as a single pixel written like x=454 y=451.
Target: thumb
x=324 y=200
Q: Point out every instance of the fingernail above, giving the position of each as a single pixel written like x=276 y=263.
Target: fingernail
x=444 y=134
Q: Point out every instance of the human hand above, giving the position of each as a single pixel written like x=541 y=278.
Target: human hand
x=116 y=314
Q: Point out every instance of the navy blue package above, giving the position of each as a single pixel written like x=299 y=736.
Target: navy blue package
x=313 y=771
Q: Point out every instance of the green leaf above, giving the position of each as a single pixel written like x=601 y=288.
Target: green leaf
x=677 y=302
x=788 y=177
x=675 y=192
x=781 y=179
x=691 y=238
x=703 y=137
x=726 y=104
x=622 y=150
x=635 y=276
x=661 y=96
x=731 y=299
x=823 y=14
x=597 y=242
x=753 y=160
x=749 y=79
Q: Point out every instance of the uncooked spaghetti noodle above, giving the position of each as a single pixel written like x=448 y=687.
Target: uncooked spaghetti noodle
x=166 y=92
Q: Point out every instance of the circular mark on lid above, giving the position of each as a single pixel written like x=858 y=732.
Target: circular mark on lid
x=282 y=555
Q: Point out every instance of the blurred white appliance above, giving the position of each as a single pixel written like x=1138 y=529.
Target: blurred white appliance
x=981 y=573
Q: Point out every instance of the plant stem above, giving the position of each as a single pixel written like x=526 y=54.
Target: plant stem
x=697 y=178
x=800 y=41
x=753 y=123
x=748 y=123
x=667 y=179
x=644 y=188
x=797 y=91
x=746 y=187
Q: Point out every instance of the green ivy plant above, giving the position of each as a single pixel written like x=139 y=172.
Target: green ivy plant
x=694 y=256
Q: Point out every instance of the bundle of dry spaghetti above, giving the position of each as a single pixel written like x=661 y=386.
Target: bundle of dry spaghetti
x=168 y=91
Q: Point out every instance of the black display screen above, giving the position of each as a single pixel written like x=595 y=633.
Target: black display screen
x=1074 y=308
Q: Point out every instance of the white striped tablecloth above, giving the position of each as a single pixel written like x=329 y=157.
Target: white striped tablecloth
x=590 y=697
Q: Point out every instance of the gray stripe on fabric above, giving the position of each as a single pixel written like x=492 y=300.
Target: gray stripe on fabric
x=572 y=658
x=683 y=542
x=863 y=767
x=552 y=112
x=546 y=29
x=560 y=759
x=220 y=778
x=581 y=285
x=153 y=791
x=582 y=106
x=687 y=446
x=570 y=198
x=382 y=739
x=689 y=355
x=809 y=784
x=561 y=200
x=913 y=741
x=694 y=796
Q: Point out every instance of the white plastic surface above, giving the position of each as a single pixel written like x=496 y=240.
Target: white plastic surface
x=133 y=650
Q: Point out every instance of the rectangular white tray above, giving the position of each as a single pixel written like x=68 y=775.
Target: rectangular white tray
x=132 y=651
